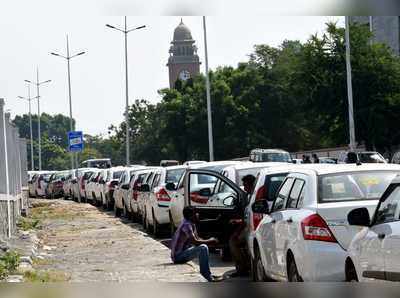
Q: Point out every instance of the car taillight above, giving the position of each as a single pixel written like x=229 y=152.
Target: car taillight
x=162 y=195
x=257 y=217
x=315 y=228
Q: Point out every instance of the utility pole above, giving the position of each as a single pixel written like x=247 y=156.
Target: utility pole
x=126 y=31
x=38 y=83
x=71 y=122
x=29 y=99
x=349 y=87
x=209 y=113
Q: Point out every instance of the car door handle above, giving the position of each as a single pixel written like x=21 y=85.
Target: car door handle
x=289 y=220
x=381 y=236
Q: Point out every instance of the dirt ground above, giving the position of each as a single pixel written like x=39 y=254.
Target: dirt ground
x=81 y=243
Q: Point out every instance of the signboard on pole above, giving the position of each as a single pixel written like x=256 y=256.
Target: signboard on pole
x=75 y=141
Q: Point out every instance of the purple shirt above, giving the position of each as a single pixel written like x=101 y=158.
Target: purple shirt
x=183 y=238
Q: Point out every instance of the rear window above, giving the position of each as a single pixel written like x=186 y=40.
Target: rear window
x=371 y=158
x=117 y=175
x=275 y=157
x=207 y=179
x=353 y=186
x=173 y=176
x=243 y=173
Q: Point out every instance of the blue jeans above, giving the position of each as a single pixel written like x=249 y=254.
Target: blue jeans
x=201 y=252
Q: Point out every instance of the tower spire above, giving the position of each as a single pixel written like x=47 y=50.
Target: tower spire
x=181 y=21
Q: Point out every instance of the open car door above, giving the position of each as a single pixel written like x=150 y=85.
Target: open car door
x=217 y=200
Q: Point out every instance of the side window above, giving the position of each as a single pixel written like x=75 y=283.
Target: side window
x=156 y=180
x=295 y=193
x=272 y=184
x=389 y=210
x=149 y=178
x=283 y=194
x=301 y=198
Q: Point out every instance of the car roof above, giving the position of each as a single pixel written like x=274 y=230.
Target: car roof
x=214 y=163
x=175 y=167
x=257 y=165
x=325 y=169
x=269 y=150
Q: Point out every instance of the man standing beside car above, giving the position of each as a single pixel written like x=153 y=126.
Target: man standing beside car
x=187 y=245
x=237 y=241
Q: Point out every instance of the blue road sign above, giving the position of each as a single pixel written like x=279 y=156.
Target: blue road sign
x=75 y=141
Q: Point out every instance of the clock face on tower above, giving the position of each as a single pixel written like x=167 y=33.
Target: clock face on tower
x=184 y=75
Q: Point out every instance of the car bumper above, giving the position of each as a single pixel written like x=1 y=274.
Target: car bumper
x=321 y=261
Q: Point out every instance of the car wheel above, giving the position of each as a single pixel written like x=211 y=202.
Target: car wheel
x=293 y=274
x=117 y=211
x=171 y=225
x=144 y=221
x=351 y=273
x=156 y=226
x=257 y=267
x=226 y=254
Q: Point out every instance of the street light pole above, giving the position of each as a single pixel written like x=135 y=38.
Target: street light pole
x=68 y=58
x=29 y=99
x=209 y=114
x=349 y=87
x=126 y=31
x=37 y=83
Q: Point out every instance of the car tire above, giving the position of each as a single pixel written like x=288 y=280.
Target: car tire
x=351 y=273
x=117 y=211
x=257 y=267
x=172 y=228
x=156 y=226
x=226 y=254
x=292 y=272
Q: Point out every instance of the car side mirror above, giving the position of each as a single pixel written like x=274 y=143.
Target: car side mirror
x=170 y=186
x=63 y=179
x=145 y=188
x=260 y=206
x=73 y=181
x=359 y=217
x=205 y=192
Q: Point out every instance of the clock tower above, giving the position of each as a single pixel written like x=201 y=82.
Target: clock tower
x=183 y=62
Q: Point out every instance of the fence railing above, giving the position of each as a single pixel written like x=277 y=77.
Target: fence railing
x=13 y=174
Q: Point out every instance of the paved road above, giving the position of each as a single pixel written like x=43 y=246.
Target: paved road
x=88 y=244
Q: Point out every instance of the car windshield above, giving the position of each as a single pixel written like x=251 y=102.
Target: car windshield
x=353 y=186
x=173 y=176
x=117 y=175
x=276 y=157
x=245 y=172
x=207 y=179
x=46 y=177
x=372 y=157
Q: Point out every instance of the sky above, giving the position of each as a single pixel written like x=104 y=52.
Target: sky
x=98 y=77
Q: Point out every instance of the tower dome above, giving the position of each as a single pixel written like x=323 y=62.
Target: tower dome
x=182 y=32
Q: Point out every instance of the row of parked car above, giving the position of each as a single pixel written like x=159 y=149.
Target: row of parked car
x=305 y=222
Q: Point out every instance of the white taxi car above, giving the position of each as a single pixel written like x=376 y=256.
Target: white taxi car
x=305 y=235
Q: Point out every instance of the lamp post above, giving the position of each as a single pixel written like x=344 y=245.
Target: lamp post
x=68 y=57
x=126 y=31
x=29 y=99
x=209 y=114
x=349 y=88
x=38 y=84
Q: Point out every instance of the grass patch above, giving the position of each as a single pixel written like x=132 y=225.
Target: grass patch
x=9 y=263
x=46 y=276
x=42 y=262
x=28 y=223
x=51 y=211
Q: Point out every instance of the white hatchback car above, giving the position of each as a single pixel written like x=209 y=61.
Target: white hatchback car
x=374 y=251
x=306 y=234
x=157 y=204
